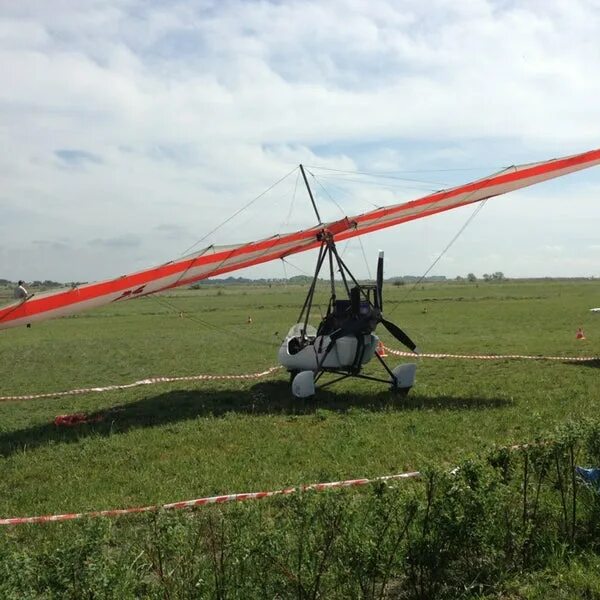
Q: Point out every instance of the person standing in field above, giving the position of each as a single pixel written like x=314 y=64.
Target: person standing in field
x=20 y=291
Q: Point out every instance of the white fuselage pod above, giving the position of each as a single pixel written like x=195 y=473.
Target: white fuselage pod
x=342 y=356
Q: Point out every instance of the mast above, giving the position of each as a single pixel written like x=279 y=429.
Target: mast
x=310 y=194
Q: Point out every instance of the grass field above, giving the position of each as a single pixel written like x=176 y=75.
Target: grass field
x=178 y=441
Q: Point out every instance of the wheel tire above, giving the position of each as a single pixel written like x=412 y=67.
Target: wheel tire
x=398 y=391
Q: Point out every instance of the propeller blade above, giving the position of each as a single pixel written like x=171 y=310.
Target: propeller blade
x=380 y=280
x=399 y=335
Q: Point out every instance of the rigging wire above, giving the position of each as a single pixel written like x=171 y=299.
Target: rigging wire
x=192 y=262
x=286 y=261
x=279 y=200
x=317 y=304
x=328 y=194
x=219 y=329
x=387 y=175
x=449 y=245
x=439 y=257
x=343 y=215
x=240 y=210
x=365 y=257
x=394 y=186
x=343 y=252
x=342 y=190
x=289 y=215
x=378 y=175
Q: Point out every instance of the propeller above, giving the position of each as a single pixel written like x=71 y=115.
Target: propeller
x=367 y=322
x=391 y=327
x=399 y=334
x=379 y=300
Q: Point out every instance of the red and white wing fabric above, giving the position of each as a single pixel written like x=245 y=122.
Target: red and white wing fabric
x=216 y=260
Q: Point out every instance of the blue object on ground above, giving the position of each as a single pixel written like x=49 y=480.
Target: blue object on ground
x=589 y=476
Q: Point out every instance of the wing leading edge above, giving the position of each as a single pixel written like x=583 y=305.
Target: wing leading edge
x=216 y=260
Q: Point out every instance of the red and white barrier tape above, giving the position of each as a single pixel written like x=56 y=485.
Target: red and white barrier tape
x=149 y=381
x=317 y=487
x=492 y=356
x=155 y=380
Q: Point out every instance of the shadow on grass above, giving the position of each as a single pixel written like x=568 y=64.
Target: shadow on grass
x=265 y=398
x=593 y=363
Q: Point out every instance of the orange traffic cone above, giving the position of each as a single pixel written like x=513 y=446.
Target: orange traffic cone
x=580 y=335
x=381 y=349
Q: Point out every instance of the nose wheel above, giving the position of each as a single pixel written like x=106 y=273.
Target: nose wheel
x=403 y=378
x=303 y=384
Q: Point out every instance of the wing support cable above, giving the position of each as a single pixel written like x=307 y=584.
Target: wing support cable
x=237 y=212
x=443 y=252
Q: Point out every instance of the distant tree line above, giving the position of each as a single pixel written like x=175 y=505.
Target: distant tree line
x=47 y=283
x=471 y=277
x=306 y=279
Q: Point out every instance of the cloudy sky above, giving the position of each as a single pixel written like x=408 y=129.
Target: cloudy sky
x=130 y=130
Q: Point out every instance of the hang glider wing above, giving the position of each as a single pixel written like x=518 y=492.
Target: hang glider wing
x=216 y=260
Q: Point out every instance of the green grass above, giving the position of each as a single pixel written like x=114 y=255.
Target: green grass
x=184 y=440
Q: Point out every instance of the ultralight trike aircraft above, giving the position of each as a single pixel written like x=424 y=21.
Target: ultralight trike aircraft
x=345 y=339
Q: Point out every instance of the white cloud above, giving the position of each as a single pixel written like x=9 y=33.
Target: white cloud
x=179 y=113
